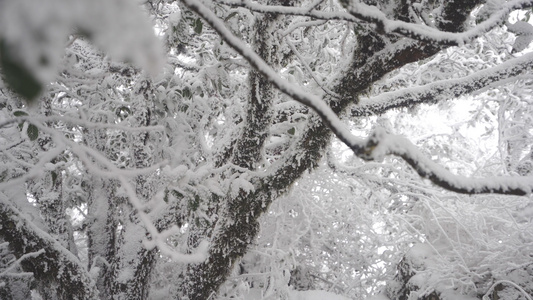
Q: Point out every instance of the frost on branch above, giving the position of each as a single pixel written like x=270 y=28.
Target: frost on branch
x=381 y=144
x=219 y=178
x=49 y=266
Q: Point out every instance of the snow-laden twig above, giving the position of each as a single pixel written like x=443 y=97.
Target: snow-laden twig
x=444 y=233
x=289 y=10
x=100 y=165
x=37 y=168
x=443 y=89
x=381 y=144
x=294 y=26
x=308 y=69
x=425 y=33
x=315 y=5
x=486 y=296
x=358 y=11
x=157 y=239
x=11 y=146
x=13 y=265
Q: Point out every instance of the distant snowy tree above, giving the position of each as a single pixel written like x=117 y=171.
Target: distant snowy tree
x=265 y=149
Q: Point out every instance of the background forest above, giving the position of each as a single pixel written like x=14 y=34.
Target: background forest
x=270 y=149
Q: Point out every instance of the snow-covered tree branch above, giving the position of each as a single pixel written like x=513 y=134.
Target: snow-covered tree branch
x=382 y=60
x=265 y=149
x=51 y=259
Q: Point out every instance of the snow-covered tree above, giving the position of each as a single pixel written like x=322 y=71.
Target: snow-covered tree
x=251 y=149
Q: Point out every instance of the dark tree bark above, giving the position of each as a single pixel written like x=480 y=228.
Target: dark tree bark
x=52 y=263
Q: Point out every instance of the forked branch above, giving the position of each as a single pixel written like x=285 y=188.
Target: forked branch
x=380 y=143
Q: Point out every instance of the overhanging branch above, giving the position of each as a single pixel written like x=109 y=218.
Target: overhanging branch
x=380 y=143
